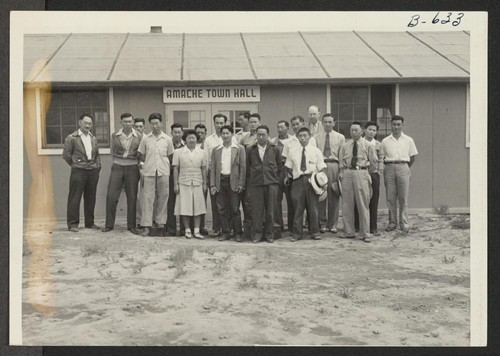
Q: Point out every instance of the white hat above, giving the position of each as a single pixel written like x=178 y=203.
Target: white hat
x=319 y=182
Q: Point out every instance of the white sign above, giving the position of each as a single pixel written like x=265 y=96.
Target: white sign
x=214 y=94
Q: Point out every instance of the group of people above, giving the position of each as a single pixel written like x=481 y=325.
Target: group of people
x=315 y=168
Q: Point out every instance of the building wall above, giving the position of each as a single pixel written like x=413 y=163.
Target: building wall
x=435 y=116
x=283 y=102
x=140 y=102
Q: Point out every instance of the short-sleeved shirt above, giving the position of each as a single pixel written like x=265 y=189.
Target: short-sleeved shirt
x=367 y=155
x=248 y=140
x=190 y=164
x=156 y=151
x=314 y=160
x=398 y=149
x=378 y=148
x=293 y=143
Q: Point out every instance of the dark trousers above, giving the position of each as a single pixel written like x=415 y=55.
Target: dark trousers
x=82 y=182
x=122 y=176
x=304 y=197
x=247 y=215
x=263 y=204
x=286 y=190
x=373 y=204
x=215 y=212
x=228 y=204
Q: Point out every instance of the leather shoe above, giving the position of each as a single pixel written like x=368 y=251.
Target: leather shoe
x=316 y=237
x=145 y=232
x=199 y=236
x=333 y=230
x=204 y=232
x=270 y=240
x=133 y=230
x=390 y=228
x=214 y=234
x=322 y=229
x=92 y=227
x=73 y=229
x=238 y=238
x=344 y=236
x=375 y=233
x=367 y=239
x=107 y=229
x=293 y=239
x=224 y=237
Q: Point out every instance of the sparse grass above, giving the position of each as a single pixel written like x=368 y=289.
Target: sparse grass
x=61 y=271
x=346 y=292
x=248 y=282
x=121 y=254
x=137 y=267
x=90 y=250
x=443 y=209
x=460 y=222
x=152 y=248
x=448 y=260
x=179 y=259
x=221 y=265
x=208 y=251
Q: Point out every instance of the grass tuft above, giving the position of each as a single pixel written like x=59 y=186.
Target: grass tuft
x=346 y=292
x=248 y=282
x=179 y=259
x=443 y=209
x=448 y=260
x=90 y=250
x=460 y=222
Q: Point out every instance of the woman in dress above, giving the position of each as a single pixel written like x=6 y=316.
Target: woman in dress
x=190 y=165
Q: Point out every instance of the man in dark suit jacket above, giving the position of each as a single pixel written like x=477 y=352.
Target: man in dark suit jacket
x=81 y=153
x=264 y=167
x=227 y=182
x=124 y=173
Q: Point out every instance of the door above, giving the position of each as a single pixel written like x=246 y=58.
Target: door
x=189 y=115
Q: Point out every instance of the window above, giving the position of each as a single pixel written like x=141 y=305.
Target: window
x=189 y=118
x=232 y=118
x=349 y=104
x=363 y=104
x=63 y=108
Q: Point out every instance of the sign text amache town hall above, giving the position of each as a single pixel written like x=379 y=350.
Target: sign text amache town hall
x=211 y=94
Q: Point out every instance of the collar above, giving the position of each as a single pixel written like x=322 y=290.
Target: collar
x=182 y=143
x=186 y=149
x=394 y=138
x=263 y=148
x=120 y=132
x=162 y=135
x=233 y=145
x=80 y=133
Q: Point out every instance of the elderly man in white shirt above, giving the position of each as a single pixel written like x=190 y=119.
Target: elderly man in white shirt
x=399 y=152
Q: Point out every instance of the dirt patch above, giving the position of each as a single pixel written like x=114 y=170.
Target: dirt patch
x=91 y=288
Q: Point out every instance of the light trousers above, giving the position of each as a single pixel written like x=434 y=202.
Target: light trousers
x=397 y=189
x=356 y=193
x=152 y=202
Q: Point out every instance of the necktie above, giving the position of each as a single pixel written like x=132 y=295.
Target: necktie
x=354 y=160
x=303 y=166
x=327 y=152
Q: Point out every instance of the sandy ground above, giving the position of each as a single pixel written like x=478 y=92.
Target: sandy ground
x=91 y=288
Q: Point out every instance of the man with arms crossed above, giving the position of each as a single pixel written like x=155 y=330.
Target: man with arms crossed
x=355 y=158
x=227 y=182
x=124 y=173
x=154 y=152
x=329 y=142
x=399 y=153
x=81 y=153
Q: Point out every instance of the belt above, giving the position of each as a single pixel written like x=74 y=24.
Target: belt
x=357 y=168
x=225 y=176
x=396 y=162
x=330 y=160
x=303 y=176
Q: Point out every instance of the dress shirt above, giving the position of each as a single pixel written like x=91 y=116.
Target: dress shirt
x=240 y=135
x=314 y=161
x=87 y=142
x=294 y=143
x=156 y=151
x=366 y=154
x=398 y=149
x=212 y=142
x=262 y=150
x=226 y=159
x=315 y=128
x=378 y=148
x=336 y=142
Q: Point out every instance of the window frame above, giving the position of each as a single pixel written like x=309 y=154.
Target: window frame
x=40 y=129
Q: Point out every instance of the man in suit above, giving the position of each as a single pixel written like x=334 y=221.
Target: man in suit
x=314 y=124
x=264 y=167
x=329 y=143
x=227 y=182
x=124 y=173
x=82 y=155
